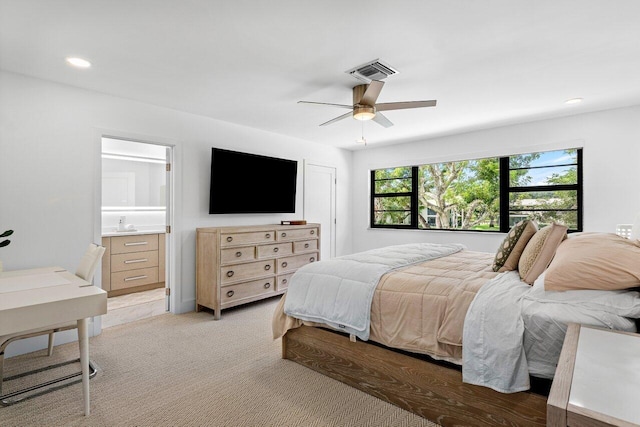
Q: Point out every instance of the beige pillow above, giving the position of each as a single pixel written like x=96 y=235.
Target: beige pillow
x=601 y=261
x=511 y=248
x=540 y=251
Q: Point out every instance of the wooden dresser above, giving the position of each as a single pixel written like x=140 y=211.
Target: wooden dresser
x=237 y=265
x=133 y=263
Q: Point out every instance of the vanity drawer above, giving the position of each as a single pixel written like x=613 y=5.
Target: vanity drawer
x=246 y=253
x=234 y=239
x=305 y=246
x=245 y=290
x=134 y=260
x=250 y=270
x=292 y=263
x=131 y=278
x=137 y=243
x=277 y=249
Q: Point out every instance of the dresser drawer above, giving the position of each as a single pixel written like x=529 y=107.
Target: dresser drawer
x=233 y=239
x=250 y=270
x=245 y=253
x=282 y=281
x=128 y=279
x=305 y=246
x=245 y=290
x=274 y=250
x=141 y=243
x=292 y=263
x=297 y=234
x=134 y=260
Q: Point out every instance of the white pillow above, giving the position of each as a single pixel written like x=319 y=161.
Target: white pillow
x=620 y=302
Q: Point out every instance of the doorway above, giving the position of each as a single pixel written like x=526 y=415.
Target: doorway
x=135 y=224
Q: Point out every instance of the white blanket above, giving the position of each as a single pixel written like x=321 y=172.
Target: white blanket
x=338 y=292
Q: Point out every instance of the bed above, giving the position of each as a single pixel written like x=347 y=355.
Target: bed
x=416 y=304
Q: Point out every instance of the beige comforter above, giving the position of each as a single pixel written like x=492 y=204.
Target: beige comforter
x=420 y=308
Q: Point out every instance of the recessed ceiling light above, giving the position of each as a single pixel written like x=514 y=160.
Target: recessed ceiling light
x=78 y=62
x=573 y=101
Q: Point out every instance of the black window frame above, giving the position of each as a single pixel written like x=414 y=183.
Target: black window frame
x=505 y=192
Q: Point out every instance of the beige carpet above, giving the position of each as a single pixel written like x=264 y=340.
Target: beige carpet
x=189 y=370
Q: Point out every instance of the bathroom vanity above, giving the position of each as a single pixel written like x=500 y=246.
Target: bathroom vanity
x=133 y=262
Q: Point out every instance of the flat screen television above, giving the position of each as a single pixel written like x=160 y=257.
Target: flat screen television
x=250 y=183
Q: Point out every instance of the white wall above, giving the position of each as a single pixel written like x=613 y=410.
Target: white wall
x=611 y=141
x=50 y=172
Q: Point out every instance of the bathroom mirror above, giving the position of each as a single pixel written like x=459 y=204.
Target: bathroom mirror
x=131 y=178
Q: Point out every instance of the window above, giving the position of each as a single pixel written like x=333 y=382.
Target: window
x=489 y=194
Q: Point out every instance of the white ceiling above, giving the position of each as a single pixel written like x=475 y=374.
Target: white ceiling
x=487 y=62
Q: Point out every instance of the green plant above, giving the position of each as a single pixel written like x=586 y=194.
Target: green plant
x=6 y=234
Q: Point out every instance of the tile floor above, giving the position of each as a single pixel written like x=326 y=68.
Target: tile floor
x=131 y=307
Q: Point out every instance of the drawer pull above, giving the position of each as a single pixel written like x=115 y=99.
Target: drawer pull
x=312 y=259
x=229 y=239
x=230 y=273
x=136 y=243
x=267 y=236
x=238 y=254
x=284 y=281
x=128 y=279
x=306 y=245
x=275 y=249
x=313 y=232
x=230 y=294
x=284 y=234
x=133 y=261
x=267 y=267
x=284 y=264
x=267 y=285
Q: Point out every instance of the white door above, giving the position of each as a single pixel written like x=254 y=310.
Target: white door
x=320 y=204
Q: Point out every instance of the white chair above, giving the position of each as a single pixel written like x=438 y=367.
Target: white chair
x=86 y=270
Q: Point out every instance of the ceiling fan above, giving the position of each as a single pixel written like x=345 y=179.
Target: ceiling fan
x=365 y=108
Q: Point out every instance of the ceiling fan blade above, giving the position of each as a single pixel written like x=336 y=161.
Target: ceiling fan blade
x=382 y=120
x=386 y=106
x=326 y=103
x=371 y=94
x=344 y=116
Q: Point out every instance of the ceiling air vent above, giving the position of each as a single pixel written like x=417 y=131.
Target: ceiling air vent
x=372 y=70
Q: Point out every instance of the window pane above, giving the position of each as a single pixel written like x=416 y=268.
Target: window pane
x=460 y=195
x=545 y=200
x=393 y=180
x=403 y=172
x=552 y=175
x=547 y=158
x=544 y=218
x=393 y=186
x=392 y=210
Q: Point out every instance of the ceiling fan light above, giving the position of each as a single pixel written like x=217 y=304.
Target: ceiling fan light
x=364 y=113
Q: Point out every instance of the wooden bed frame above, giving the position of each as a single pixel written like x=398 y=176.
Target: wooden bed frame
x=429 y=389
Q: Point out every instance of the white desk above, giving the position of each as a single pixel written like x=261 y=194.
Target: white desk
x=597 y=381
x=44 y=297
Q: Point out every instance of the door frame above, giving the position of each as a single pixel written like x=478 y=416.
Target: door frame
x=170 y=245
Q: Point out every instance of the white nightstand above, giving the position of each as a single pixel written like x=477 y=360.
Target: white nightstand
x=597 y=381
